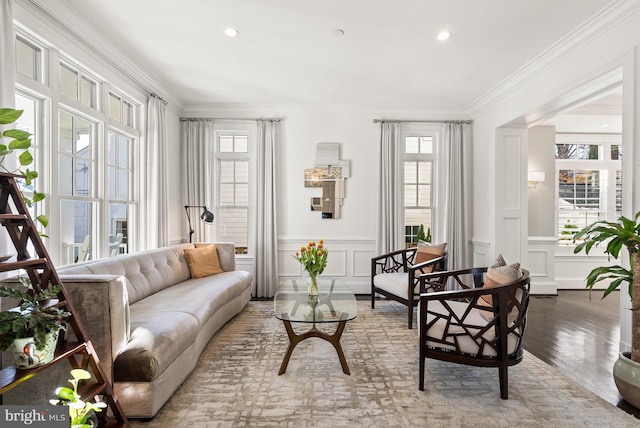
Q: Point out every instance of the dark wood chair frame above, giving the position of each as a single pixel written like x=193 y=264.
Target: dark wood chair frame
x=402 y=261
x=504 y=297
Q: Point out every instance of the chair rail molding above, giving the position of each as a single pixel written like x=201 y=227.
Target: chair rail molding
x=541 y=263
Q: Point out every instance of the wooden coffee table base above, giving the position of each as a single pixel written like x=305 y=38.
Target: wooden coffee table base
x=294 y=339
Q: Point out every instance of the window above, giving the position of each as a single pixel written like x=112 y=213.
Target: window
x=418 y=178
x=87 y=168
x=588 y=183
x=28 y=59
x=77 y=86
x=233 y=189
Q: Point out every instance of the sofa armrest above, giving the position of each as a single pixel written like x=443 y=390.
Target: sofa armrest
x=101 y=304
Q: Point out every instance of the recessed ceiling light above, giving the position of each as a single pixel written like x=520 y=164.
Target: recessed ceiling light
x=231 y=32
x=444 y=35
x=605 y=125
x=338 y=32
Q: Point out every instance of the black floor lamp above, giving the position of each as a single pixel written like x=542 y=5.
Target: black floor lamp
x=206 y=216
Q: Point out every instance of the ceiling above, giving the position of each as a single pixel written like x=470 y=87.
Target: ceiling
x=287 y=52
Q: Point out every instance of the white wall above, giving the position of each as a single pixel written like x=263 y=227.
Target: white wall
x=541 y=157
x=589 y=56
x=351 y=238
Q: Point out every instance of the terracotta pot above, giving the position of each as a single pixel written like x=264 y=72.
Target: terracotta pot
x=626 y=374
x=26 y=356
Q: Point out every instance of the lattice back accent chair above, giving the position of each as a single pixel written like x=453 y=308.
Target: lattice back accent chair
x=395 y=275
x=481 y=324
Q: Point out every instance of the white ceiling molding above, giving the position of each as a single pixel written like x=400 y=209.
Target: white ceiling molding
x=87 y=36
x=609 y=17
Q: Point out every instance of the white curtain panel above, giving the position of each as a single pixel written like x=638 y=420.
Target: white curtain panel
x=390 y=193
x=7 y=87
x=198 y=141
x=156 y=207
x=266 y=280
x=456 y=148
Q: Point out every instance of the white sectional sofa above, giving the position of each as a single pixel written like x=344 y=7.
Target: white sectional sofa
x=149 y=320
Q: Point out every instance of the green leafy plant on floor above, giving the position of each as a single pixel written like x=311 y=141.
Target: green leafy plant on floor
x=17 y=142
x=625 y=233
x=80 y=412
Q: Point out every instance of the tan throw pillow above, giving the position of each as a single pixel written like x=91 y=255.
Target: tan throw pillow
x=203 y=260
x=426 y=252
x=498 y=275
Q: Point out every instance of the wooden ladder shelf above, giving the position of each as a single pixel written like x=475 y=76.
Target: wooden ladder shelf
x=42 y=273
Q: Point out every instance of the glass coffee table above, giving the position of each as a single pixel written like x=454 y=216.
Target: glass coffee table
x=335 y=303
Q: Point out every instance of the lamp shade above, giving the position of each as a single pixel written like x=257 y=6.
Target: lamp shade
x=207 y=216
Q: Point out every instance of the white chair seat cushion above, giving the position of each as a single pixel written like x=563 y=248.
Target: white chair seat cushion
x=466 y=338
x=396 y=283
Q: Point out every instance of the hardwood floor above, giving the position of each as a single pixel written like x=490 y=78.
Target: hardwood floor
x=580 y=338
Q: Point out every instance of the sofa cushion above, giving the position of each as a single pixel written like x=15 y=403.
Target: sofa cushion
x=426 y=252
x=452 y=335
x=396 y=283
x=203 y=260
x=157 y=339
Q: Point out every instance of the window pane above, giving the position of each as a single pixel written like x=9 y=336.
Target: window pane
x=226 y=194
x=88 y=92
x=27 y=59
x=410 y=195
x=123 y=152
x=226 y=143
x=241 y=144
x=226 y=171
x=83 y=138
x=242 y=195
x=127 y=113
x=410 y=173
x=566 y=151
x=424 y=172
x=82 y=178
x=114 y=107
x=76 y=231
x=588 y=151
x=65 y=175
x=68 y=82
x=426 y=144
x=232 y=227
x=618 y=194
x=66 y=132
x=118 y=231
x=424 y=195
x=123 y=185
x=242 y=171
x=112 y=184
x=411 y=145
x=616 y=152
x=112 y=148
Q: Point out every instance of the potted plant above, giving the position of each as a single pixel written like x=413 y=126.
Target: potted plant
x=623 y=233
x=18 y=143
x=31 y=329
x=81 y=413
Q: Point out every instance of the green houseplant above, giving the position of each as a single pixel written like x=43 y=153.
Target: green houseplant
x=80 y=412
x=624 y=233
x=18 y=142
x=32 y=318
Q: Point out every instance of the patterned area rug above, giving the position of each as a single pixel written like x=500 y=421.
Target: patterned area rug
x=236 y=383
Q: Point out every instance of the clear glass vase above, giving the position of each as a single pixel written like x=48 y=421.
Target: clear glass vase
x=313 y=284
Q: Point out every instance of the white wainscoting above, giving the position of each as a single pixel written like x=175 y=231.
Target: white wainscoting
x=572 y=269
x=480 y=253
x=541 y=264
x=349 y=260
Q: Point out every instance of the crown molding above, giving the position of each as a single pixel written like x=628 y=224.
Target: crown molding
x=79 y=28
x=251 y=110
x=608 y=18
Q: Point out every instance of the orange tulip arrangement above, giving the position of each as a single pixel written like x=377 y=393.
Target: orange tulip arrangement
x=313 y=259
